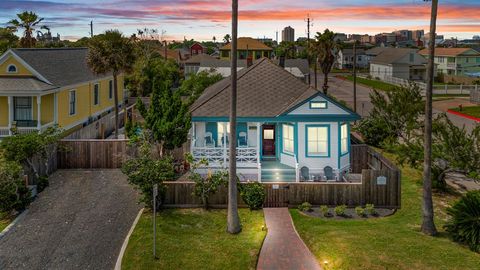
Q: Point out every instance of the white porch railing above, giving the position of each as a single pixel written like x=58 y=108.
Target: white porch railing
x=5 y=131
x=219 y=155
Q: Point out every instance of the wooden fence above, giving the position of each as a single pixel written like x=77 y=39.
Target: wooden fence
x=100 y=129
x=92 y=154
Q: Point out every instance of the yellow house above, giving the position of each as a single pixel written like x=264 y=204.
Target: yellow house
x=40 y=88
x=247 y=48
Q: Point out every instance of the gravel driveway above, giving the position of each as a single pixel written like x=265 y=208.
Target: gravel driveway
x=79 y=222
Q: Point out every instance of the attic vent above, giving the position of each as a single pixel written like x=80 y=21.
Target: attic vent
x=12 y=69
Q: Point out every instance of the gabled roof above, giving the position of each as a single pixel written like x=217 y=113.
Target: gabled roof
x=376 y=51
x=448 y=51
x=392 y=55
x=23 y=85
x=58 y=66
x=264 y=90
x=301 y=64
x=247 y=43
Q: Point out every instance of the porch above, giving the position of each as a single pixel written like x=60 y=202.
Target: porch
x=27 y=114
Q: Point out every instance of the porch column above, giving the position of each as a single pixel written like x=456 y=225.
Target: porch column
x=39 y=113
x=225 y=144
x=259 y=164
x=193 y=140
x=10 y=114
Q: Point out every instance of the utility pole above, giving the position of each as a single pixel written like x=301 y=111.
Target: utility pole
x=308 y=48
x=91 y=29
x=428 y=224
x=355 y=76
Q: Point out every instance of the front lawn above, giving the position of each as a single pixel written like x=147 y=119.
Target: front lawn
x=379 y=85
x=195 y=239
x=472 y=111
x=393 y=242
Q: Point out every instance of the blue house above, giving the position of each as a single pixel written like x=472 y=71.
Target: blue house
x=287 y=131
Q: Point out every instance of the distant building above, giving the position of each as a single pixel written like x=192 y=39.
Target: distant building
x=196 y=49
x=400 y=63
x=345 y=59
x=455 y=61
x=355 y=37
x=340 y=37
x=247 y=48
x=426 y=39
x=404 y=34
x=417 y=34
x=288 y=34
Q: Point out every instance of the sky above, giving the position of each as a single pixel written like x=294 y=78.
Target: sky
x=204 y=19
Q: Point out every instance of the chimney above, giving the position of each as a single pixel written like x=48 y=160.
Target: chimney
x=281 y=62
x=249 y=61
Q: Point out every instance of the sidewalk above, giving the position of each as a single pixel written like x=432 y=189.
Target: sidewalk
x=283 y=249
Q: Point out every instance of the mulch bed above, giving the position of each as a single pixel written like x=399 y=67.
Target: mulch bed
x=349 y=214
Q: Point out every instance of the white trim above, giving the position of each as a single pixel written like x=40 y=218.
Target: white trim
x=10 y=72
x=39 y=112
x=118 y=264
x=69 y=102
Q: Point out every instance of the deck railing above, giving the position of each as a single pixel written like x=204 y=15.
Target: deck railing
x=219 y=155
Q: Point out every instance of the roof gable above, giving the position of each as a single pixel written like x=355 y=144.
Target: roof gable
x=23 y=68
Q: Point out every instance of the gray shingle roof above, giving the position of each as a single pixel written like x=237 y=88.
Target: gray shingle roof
x=392 y=55
x=264 y=90
x=60 y=66
x=24 y=84
x=299 y=63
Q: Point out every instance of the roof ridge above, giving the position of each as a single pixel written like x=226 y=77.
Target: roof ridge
x=230 y=82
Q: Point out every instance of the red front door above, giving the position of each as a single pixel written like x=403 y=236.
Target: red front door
x=268 y=140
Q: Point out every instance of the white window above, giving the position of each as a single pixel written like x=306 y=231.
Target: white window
x=73 y=102
x=288 y=141
x=22 y=109
x=318 y=105
x=343 y=138
x=12 y=69
x=96 y=90
x=110 y=89
x=318 y=141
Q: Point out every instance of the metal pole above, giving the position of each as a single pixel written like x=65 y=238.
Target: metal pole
x=155 y=192
x=355 y=76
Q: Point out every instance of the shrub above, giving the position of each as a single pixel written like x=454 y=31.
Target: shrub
x=370 y=209
x=360 y=211
x=340 y=210
x=253 y=194
x=206 y=186
x=14 y=195
x=304 y=207
x=42 y=183
x=464 y=225
x=325 y=210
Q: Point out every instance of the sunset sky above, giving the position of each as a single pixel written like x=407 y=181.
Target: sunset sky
x=203 y=19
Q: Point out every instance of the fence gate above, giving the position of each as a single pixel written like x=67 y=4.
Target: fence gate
x=276 y=195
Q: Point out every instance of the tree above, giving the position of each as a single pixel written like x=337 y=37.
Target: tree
x=14 y=195
x=167 y=118
x=428 y=224
x=325 y=49
x=7 y=39
x=286 y=49
x=214 y=39
x=227 y=38
x=193 y=87
x=233 y=220
x=27 y=21
x=111 y=52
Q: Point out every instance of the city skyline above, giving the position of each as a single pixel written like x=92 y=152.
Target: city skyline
x=203 y=19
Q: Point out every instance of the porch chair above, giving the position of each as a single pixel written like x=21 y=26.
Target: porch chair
x=328 y=171
x=242 y=139
x=209 y=142
x=304 y=174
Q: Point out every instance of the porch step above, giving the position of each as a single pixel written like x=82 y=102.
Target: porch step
x=278 y=175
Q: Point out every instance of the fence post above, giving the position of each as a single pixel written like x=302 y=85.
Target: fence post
x=446 y=89
x=461 y=89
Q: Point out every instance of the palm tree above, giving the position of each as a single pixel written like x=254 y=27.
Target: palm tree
x=227 y=38
x=233 y=220
x=111 y=52
x=28 y=21
x=428 y=224
x=325 y=49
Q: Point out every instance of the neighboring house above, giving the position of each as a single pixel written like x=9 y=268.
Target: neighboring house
x=401 y=63
x=455 y=61
x=193 y=64
x=345 y=59
x=40 y=88
x=247 y=47
x=284 y=126
x=374 y=52
x=171 y=54
x=197 y=48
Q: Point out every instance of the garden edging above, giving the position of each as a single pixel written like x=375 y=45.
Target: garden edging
x=464 y=115
x=118 y=264
x=15 y=221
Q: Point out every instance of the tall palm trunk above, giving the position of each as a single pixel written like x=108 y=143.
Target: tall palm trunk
x=233 y=220
x=428 y=225
x=115 y=100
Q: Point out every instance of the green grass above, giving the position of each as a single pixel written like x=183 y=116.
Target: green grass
x=195 y=239
x=379 y=85
x=5 y=220
x=471 y=110
x=393 y=242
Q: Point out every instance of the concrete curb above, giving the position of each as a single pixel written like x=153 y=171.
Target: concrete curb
x=118 y=265
x=14 y=222
x=464 y=115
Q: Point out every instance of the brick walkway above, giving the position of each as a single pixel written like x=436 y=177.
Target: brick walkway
x=283 y=249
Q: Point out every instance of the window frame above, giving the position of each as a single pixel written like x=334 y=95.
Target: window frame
x=292 y=140
x=74 y=91
x=347 y=138
x=328 y=141
x=110 y=89
x=96 y=94
x=10 y=66
x=318 y=102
